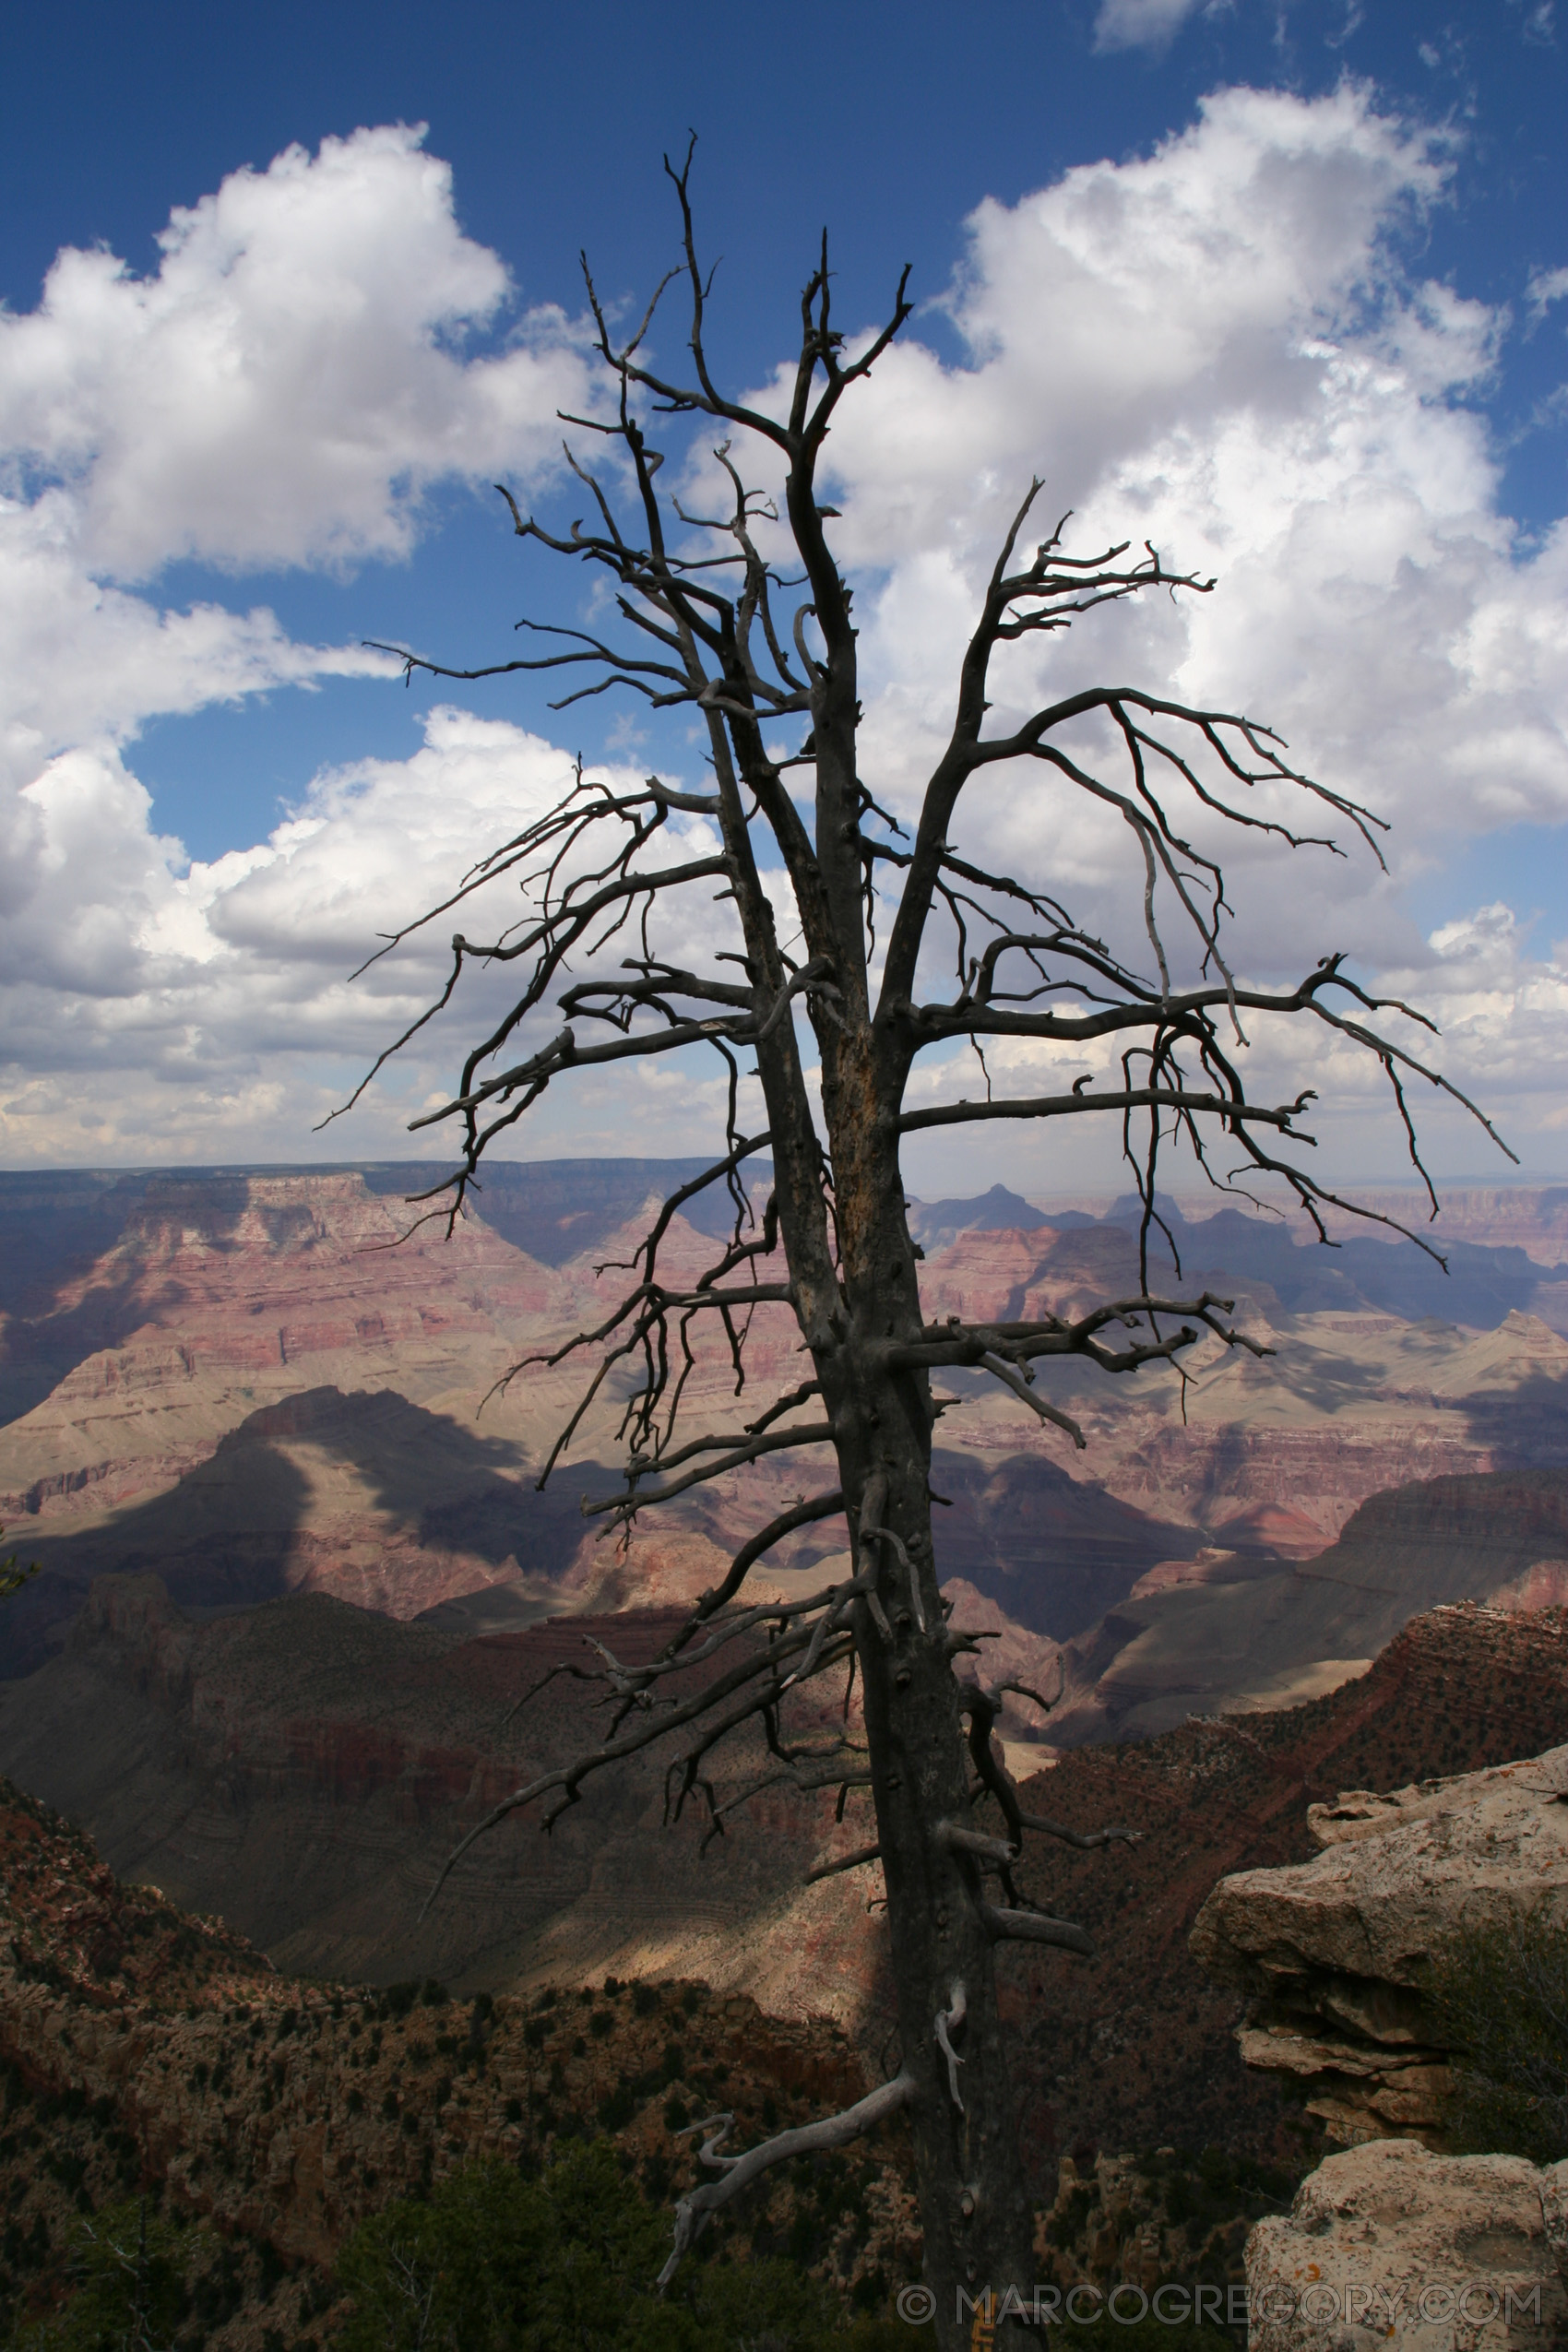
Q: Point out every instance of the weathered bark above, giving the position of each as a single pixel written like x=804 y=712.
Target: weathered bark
x=976 y=2222
x=719 y=643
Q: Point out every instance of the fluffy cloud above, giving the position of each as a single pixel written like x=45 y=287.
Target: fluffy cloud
x=1219 y=348
x=210 y=1013
x=293 y=377
x=84 y=662
x=1130 y=299
x=1215 y=346
x=283 y=391
x=301 y=368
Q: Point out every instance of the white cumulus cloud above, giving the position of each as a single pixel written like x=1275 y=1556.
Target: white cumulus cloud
x=282 y=391
x=315 y=351
x=211 y=1013
x=294 y=377
x=1217 y=346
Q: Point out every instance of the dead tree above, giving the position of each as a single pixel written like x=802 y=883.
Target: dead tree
x=713 y=627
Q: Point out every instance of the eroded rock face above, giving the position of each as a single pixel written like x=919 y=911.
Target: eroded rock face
x=237 y=1380
x=1334 y=1952
x=305 y=1769
x=1390 y=2241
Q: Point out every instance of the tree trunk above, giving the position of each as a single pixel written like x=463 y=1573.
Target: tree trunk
x=973 y=2207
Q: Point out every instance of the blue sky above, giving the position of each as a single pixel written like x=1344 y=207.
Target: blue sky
x=136 y=1028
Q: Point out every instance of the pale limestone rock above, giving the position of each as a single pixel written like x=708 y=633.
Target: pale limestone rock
x=1334 y=1951
x=1390 y=2244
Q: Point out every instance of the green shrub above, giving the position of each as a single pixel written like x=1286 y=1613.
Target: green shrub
x=564 y=2263
x=13 y=1575
x=129 y=2269
x=1498 y=1998
x=616 y=2111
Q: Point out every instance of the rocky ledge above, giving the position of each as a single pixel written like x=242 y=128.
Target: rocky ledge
x=1334 y=1952
x=1390 y=2242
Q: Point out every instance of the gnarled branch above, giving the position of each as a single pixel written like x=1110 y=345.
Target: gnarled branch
x=697 y=2209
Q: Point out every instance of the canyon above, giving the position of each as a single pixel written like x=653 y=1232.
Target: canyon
x=305 y=1769
x=258 y=1382
x=296 y=1571
x=296 y=1575
x=150 y=2057
x=305 y=1765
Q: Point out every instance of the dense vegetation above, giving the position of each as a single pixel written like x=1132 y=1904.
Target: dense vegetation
x=494 y=2262
x=499 y=2259
x=491 y=2262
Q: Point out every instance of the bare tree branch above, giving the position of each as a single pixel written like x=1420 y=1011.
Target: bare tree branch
x=695 y=2210
x=1033 y=1927
x=857 y=1861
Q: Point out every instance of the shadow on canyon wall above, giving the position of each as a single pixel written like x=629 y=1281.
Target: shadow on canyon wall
x=1527 y=1422
x=54 y=1229
x=80 y=1254
x=1200 y=1647
x=1054 y=1551
x=229 y=1534
x=1481 y=1286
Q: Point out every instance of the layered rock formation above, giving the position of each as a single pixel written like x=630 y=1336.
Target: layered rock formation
x=291 y=1402
x=1391 y=2241
x=305 y=1768
x=365 y=1495
x=258 y=1387
x=1335 y=1953
x=221 y=1301
x=1529 y=1217
x=1137 y=2050
x=1237 y=1630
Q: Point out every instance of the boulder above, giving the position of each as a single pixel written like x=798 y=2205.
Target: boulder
x=1390 y=2243
x=1336 y=1952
